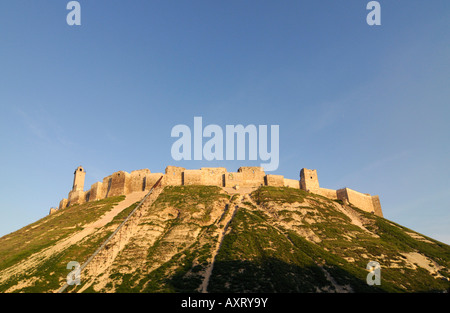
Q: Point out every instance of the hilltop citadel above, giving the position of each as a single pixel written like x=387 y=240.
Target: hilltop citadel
x=123 y=183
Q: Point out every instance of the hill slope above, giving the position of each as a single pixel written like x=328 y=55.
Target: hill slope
x=200 y=238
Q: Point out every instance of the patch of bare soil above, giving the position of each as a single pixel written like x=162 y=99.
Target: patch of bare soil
x=415 y=259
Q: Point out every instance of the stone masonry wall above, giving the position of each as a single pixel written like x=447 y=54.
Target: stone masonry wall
x=123 y=183
x=274 y=180
x=96 y=191
x=233 y=179
x=173 y=176
x=292 y=183
x=192 y=177
x=106 y=186
x=151 y=179
x=377 y=206
x=362 y=201
x=62 y=204
x=138 y=180
x=120 y=182
x=213 y=176
x=76 y=197
x=309 y=180
x=329 y=193
x=252 y=176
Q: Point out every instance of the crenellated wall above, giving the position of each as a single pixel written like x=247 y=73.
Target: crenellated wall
x=123 y=183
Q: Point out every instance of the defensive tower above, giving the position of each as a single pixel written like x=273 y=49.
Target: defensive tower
x=309 y=180
x=78 y=179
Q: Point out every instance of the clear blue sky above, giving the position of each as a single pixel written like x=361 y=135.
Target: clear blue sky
x=368 y=107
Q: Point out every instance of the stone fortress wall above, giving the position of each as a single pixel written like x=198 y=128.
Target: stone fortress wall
x=364 y=201
x=123 y=183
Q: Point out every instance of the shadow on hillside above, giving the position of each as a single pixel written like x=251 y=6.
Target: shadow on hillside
x=272 y=275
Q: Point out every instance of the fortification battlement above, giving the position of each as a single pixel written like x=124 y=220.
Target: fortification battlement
x=123 y=183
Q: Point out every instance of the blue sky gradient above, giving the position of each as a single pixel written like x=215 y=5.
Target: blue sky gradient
x=368 y=107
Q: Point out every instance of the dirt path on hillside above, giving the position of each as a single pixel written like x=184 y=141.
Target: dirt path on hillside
x=231 y=212
x=30 y=263
x=99 y=269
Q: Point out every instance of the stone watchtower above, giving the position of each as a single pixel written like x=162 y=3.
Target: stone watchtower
x=309 y=180
x=78 y=179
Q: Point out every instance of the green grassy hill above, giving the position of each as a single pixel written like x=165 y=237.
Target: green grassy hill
x=199 y=238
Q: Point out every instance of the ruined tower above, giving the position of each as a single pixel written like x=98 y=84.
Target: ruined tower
x=309 y=180
x=78 y=179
